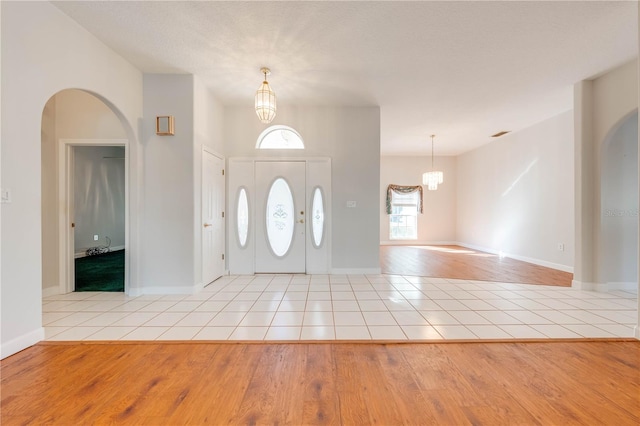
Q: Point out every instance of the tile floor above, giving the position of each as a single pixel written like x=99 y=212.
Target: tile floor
x=338 y=307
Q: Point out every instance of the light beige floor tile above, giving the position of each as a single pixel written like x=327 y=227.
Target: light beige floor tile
x=227 y=319
x=180 y=333
x=454 y=332
x=409 y=318
x=284 y=319
x=283 y=333
x=347 y=305
x=439 y=318
x=195 y=319
x=555 y=331
x=521 y=331
x=257 y=319
x=319 y=305
x=110 y=333
x=49 y=331
x=292 y=305
x=343 y=295
x=212 y=306
x=76 y=318
x=165 y=319
x=158 y=306
x=249 y=333
x=499 y=317
x=214 y=333
x=265 y=306
x=318 y=318
x=145 y=333
x=135 y=319
x=105 y=319
x=387 y=332
x=379 y=318
x=184 y=306
x=421 y=332
x=75 y=333
x=348 y=318
x=587 y=330
x=318 y=333
x=489 y=332
x=373 y=305
x=352 y=333
x=469 y=317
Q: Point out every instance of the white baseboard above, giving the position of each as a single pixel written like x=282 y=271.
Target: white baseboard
x=539 y=262
x=636 y=332
x=22 y=342
x=417 y=243
x=355 y=271
x=584 y=285
x=83 y=253
x=622 y=285
x=50 y=291
x=135 y=292
x=604 y=287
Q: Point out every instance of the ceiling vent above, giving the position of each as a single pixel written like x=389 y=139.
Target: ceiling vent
x=497 y=135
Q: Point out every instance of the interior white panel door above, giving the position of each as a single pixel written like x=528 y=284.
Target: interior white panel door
x=212 y=217
x=280 y=219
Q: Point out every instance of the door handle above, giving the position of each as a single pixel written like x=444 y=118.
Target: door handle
x=301 y=221
x=206 y=225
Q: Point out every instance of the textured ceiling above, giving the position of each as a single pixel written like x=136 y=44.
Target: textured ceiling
x=460 y=70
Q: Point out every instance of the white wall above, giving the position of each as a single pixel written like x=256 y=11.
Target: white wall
x=99 y=196
x=350 y=136
x=167 y=255
x=515 y=195
x=437 y=224
x=44 y=52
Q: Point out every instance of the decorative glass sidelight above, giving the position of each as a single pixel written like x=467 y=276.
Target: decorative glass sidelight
x=280 y=217
x=317 y=217
x=243 y=217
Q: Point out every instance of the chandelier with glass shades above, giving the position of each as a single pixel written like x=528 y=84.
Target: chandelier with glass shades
x=265 y=99
x=433 y=178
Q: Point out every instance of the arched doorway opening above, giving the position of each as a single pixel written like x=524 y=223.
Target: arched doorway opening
x=84 y=165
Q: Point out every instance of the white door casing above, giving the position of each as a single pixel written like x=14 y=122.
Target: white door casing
x=212 y=217
x=66 y=250
x=274 y=217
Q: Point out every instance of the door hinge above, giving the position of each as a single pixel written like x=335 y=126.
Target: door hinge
x=222 y=172
x=222 y=256
x=223 y=214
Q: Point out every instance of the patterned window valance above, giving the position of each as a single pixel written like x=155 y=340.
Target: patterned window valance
x=400 y=189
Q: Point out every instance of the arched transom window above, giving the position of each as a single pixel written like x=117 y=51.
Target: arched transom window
x=279 y=137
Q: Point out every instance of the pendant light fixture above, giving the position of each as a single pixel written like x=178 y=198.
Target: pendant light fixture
x=432 y=178
x=265 y=100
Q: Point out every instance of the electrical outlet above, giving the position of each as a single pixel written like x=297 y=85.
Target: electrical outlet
x=351 y=204
x=95 y=238
x=560 y=247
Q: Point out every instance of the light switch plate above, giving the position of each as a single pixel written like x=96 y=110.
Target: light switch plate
x=351 y=204
x=6 y=195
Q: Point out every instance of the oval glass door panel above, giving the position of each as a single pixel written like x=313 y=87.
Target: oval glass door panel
x=317 y=217
x=243 y=217
x=280 y=217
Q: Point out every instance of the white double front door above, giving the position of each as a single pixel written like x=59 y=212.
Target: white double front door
x=280 y=219
x=270 y=226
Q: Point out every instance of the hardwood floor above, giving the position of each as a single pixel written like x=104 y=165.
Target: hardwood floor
x=585 y=382
x=467 y=264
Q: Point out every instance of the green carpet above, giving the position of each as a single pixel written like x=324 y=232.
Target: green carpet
x=102 y=272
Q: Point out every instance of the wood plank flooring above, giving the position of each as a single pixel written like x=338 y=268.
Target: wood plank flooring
x=466 y=264
x=584 y=382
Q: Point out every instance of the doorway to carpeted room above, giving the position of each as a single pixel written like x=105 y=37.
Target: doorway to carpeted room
x=101 y=272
